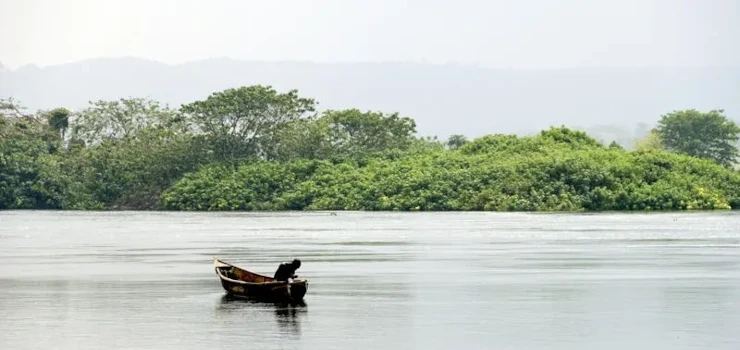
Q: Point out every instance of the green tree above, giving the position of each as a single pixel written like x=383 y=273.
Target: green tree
x=131 y=173
x=123 y=118
x=569 y=136
x=27 y=146
x=428 y=144
x=353 y=132
x=344 y=133
x=15 y=120
x=703 y=135
x=456 y=141
x=650 y=141
x=58 y=120
x=303 y=139
x=244 y=122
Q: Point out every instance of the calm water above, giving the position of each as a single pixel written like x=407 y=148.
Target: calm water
x=377 y=281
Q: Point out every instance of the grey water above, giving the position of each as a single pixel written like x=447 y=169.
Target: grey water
x=145 y=280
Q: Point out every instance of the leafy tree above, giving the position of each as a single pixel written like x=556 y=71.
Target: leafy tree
x=26 y=148
x=303 y=139
x=134 y=154
x=703 y=135
x=344 y=133
x=9 y=108
x=650 y=141
x=131 y=173
x=569 y=136
x=352 y=131
x=123 y=118
x=426 y=144
x=615 y=145
x=58 y=120
x=22 y=185
x=243 y=122
x=135 y=150
x=456 y=141
x=15 y=120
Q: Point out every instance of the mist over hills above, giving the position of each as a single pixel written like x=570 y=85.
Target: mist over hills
x=443 y=99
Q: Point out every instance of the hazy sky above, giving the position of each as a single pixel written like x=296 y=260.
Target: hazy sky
x=501 y=34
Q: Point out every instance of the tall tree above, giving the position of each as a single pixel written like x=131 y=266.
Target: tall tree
x=131 y=172
x=345 y=133
x=14 y=119
x=704 y=135
x=303 y=139
x=26 y=148
x=111 y=120
x=615 y=145
x=243 y=122
x=352 y=131
x=456 y=141
x=58 y=120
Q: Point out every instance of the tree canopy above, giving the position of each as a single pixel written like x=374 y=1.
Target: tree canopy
x=58 y=120
x=456 y=141
x=703 y=135
x=243 y=122
x=119 y=119
x=342 y=133
x=254 y=148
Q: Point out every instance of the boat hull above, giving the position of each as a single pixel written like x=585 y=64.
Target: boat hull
x=275 y=291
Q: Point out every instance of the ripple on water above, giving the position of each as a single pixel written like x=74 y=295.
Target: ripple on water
x=376 y=280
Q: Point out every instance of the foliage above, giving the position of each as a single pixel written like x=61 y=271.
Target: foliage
x=344 y=133
x=21 y=184
x=571 y=137
x=616 y=145
x=26 y=149
x=353 y=132
x=14 y=120
x=704 y=135
x=133 y=155
x=252 y=148
x=123 y=118
x=244 y=122
x=58 y=120
x=650 y=141
x=456 y=141
x=132 y=173
x=555 y=171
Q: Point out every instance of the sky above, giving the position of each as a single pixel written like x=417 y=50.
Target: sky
x=521 y=34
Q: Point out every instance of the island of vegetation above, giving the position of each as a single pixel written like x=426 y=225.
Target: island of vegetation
x=254 y=148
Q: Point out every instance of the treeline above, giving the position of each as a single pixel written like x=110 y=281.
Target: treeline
x=253 y=148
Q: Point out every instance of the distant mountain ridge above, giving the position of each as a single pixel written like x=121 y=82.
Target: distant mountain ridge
x=443 y=99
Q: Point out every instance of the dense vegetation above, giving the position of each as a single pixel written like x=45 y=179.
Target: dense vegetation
x=253 y=148
x=557 y=170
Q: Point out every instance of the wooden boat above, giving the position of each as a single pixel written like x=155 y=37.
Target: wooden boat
x=242 y=283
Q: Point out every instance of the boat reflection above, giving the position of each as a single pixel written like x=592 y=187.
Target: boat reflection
x=287 y=314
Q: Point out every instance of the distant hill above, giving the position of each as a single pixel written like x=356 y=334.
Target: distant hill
x=444 y=99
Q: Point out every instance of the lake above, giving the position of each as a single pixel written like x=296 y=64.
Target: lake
x=145 y=280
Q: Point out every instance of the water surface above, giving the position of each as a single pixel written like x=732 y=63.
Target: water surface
x=130 y=280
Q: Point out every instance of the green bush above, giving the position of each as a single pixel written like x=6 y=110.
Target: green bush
x=558 y=170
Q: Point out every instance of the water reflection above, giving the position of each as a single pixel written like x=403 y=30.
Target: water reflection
x=287 y=314
x=288 y=318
